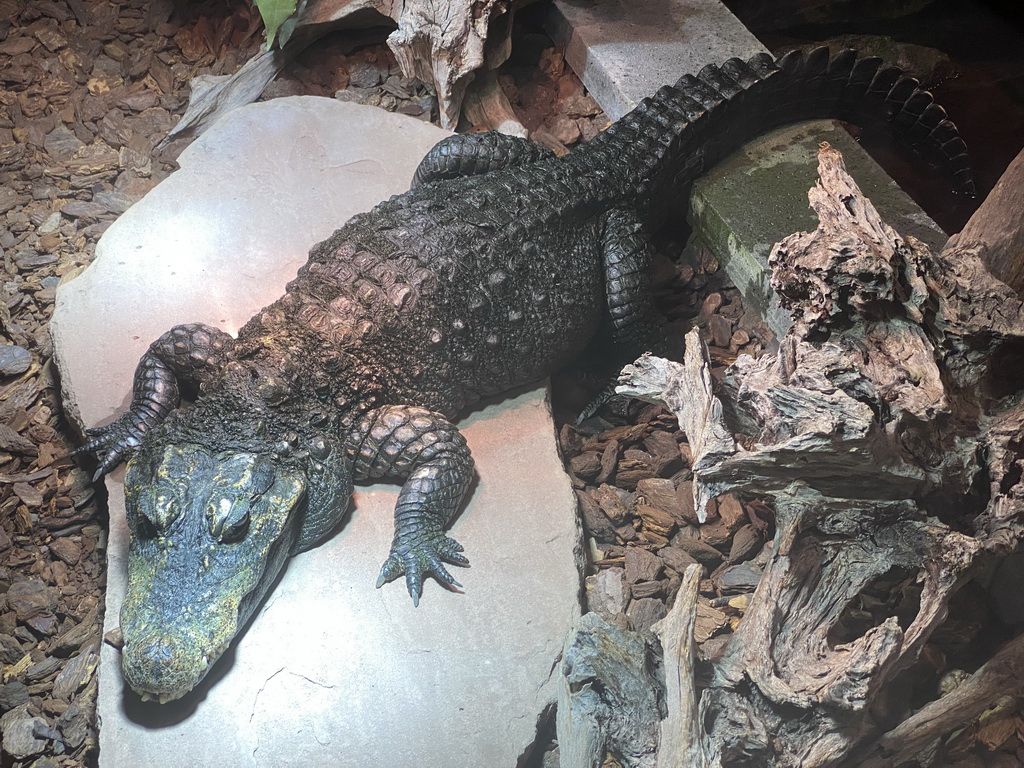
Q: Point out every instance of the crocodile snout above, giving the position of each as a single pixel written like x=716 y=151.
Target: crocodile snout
x=163 y=668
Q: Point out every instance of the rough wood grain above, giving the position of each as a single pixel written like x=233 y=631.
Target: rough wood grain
x=892 y=408
x=1003 y=675
x=680 y=745
x=996 y=230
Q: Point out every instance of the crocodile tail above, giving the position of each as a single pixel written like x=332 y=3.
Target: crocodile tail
x=685 y=129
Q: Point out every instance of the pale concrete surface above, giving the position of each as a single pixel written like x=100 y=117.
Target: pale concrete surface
x=625 y=50
x=331 y=671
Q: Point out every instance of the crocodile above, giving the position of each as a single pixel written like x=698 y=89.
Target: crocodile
x=501 y=263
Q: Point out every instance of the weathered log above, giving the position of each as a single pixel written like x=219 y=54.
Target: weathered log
x=996 y=230
x=487 y=106
x=891 y=399
x=680 y=745
x=1002 y=676
x=610 y=696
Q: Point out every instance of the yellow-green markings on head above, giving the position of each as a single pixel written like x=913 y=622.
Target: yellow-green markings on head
x=208 y=535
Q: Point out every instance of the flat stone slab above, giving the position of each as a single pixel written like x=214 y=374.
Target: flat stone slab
x=625 y=50
x=331 y=671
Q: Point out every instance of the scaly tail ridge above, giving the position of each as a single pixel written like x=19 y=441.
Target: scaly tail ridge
x=683 y=130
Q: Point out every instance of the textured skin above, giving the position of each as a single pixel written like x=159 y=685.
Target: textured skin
x=494 y=270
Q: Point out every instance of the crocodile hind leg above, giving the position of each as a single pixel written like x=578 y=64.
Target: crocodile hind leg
x=431 y=455
x=473 y=154
x=187 y=354
x=634 y=321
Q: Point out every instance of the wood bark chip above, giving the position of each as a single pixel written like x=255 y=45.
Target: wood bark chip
x=886 y=425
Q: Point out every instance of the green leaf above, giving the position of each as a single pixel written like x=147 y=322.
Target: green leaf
x=274 y=13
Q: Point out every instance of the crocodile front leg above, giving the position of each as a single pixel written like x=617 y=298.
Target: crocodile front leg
x=431 y=454
x=187 y=354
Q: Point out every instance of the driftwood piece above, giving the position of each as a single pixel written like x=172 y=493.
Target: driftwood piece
x=996 y=230
x=1002 y=676
x=441 y=43
x=892 y=409
x=487 y=106
x=680 y=745
x=610 y=697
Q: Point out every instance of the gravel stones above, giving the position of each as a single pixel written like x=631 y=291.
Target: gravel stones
x=19 y=728
x=14 y=360
x=31 y=598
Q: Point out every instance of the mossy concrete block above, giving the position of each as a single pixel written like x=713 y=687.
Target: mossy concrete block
x=758 y=196
x=625 y=50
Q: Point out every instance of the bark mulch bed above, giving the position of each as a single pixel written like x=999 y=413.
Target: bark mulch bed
x=87 y=90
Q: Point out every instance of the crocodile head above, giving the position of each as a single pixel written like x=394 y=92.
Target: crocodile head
x=209 y=532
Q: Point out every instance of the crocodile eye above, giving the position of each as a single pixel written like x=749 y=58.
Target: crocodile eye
x=145 y=527
x=235 y=531
x=229 y=520
x=155 y=514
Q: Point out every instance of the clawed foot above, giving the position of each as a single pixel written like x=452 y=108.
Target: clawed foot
x=112 y=443
x=420 y=559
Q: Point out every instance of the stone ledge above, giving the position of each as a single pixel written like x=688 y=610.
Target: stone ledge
x=331 y=671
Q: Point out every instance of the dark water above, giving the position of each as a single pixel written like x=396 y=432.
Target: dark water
x=984 y=95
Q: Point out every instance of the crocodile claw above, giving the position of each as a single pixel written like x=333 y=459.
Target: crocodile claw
x=112 y=443
x=423 y=558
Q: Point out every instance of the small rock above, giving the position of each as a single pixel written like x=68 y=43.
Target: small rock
x=46 y=624
x=28 y=494
x=645 y=612
x=13 y=694
x=362 y=74
x=14 y=360
x=743 y=577
x=8 y=199
x=675 y=558
x=731 y=511
x=649 y=589
x=745 y=543
x=708 y=622
x=42 y=670
x=355 y=95
x=10 y=650
x=716 y=533
x=77 y=208
x=595 y=521
x=641 y=565
x=581 y=105
x=114 y=202
x=76 y=675
x=565 y=130
x=66 y=549
x=74 y=725
x=586 y=465
x=30 y=598
x=700 y=551
x=33 y=260
x=615 y=502
x=51 y=224
x=721 y=331
x=18 y=728
x=606 y=593
x=61 y=144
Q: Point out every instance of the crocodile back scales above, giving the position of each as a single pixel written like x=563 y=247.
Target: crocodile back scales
x=473 y=285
